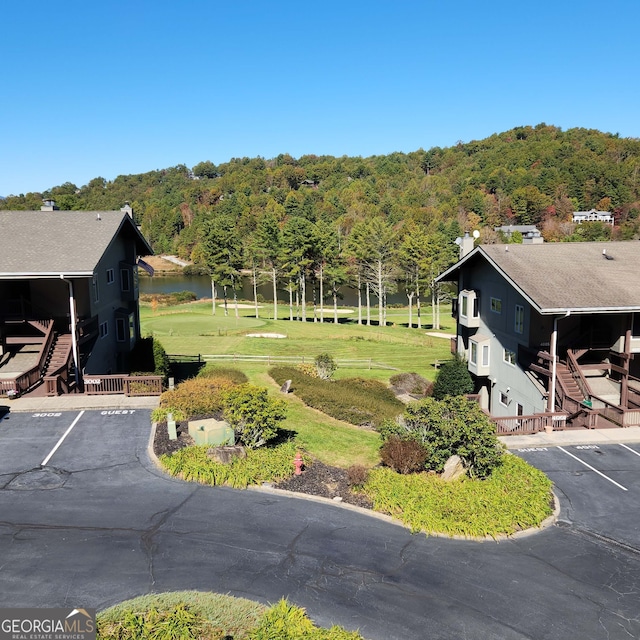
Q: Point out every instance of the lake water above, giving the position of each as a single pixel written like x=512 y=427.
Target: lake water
x=201 y=286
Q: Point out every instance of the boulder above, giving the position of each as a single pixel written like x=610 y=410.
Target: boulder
x=286 y=386
x=226 y=454
x=453 y=469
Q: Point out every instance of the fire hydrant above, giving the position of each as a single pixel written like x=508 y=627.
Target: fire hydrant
x=297 y=461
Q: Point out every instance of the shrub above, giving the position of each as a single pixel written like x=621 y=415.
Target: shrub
x=453 y=379
x=325 y=366
x=253 y=414
x=410 y=383
x=308 y=369
x=357 y=475
x=233 y=375
x=404 y=455
x=160 y=360
x=197 y=396
x=355 y=400
x=453 y=426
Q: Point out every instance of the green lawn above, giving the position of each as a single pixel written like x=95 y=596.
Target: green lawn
x=191 y=329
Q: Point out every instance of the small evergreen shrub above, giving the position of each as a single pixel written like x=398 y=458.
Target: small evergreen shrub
x=453 y=379
x=160 y=360
x=404 y=455
x=325 y=366
x=253 y=414
x=453 y=426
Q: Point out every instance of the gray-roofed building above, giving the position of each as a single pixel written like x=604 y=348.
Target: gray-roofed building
x=552 y=327
x=68 y=294
x=593 y=216
x=529 y=232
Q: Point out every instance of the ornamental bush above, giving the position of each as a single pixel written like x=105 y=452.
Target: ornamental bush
x=453 y=426
x=325 y=366
x=253 y=414
x=453 y=379
x=197 y=396
x=404 y=455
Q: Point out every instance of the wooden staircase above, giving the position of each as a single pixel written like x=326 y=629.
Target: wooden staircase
x=568 y=381
x=58 y=354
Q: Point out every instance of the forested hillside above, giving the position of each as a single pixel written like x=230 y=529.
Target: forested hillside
x=376 y=219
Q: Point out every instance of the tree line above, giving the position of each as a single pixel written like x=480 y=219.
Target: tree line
x=319 y=222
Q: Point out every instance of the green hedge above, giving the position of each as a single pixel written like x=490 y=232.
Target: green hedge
x=355 y=400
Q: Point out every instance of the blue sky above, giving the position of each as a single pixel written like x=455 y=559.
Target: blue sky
x=126 y=86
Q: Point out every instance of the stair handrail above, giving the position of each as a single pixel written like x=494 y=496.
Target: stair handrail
x=578 y=376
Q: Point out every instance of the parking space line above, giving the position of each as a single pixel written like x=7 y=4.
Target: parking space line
x=593 y=469
x=629 y=448
x=64 y=435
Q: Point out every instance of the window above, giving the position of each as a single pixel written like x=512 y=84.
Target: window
x=121 y=329
x=110 y=276
x=485 y=355
x=504 y=399
x=125 y=280
x=496 y=305
x=96 y=291
x=104 y=329
x=509 y=357
x=463 y=306
x=479 y=349
x=519 y=323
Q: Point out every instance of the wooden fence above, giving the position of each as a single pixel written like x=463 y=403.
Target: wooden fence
x=129 y=385
x=273 y=360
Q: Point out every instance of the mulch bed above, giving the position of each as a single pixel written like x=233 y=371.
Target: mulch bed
x=318 y=479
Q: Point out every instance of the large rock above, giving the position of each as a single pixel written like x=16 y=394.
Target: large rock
x=453 y=468
x=226 y=454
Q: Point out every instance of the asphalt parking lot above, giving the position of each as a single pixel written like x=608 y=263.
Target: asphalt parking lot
x=87 y=519
x=598 y=487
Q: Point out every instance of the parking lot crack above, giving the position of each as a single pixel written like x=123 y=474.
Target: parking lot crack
x=147 y=539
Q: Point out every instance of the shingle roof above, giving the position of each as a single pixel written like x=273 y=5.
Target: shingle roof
x=50 y=243
x=580 y=276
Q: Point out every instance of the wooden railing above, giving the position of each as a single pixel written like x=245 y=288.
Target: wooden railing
x=26 y=380
x=129 y=385
x=578 y=376
x=521 y=425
